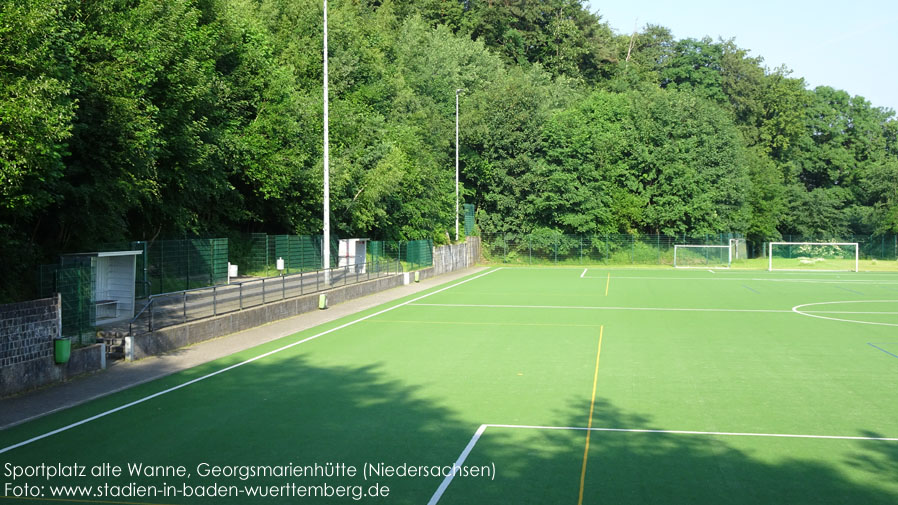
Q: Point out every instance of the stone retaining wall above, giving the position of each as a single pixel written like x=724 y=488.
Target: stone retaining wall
x=27 y=331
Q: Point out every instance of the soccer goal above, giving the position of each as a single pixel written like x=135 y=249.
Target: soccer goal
x=816 y=256
x=702 y=256
x=740 y=249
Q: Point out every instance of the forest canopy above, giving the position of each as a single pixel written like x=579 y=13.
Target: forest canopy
x=142 y=119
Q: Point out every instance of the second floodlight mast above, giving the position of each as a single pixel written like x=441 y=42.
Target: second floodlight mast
x=457 y=91
x=325 y=243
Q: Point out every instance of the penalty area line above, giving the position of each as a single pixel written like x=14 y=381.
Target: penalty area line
x=690 y=432
x=226 y=369
x=459 y=462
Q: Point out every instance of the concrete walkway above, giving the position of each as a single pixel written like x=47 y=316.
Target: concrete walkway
x=124 y=375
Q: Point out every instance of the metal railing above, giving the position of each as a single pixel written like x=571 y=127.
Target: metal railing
x=168 y=309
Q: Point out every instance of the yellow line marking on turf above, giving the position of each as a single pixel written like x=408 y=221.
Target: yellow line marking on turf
x=592 y=405
x=482 y=324
x=607 y=283
x=71 y=500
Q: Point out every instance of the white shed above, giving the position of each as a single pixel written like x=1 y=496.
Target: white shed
x=352 y=253
x=115 y=273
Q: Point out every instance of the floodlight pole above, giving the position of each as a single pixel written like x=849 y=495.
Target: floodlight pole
x=325 y=245
x=457 y=91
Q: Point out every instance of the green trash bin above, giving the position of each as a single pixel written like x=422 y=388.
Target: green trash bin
x=62 y=348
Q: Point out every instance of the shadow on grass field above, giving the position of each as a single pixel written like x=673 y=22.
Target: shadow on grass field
x=544 y=466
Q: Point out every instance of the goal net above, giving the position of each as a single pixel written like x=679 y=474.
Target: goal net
x=702 y=256
x=818 y=256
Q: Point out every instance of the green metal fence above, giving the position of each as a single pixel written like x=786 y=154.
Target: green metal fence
x=74 y=282
x=469 y=219
x=174 y=265
x=413 y=255
x=645 y=249
x=870 y=247
x=301 y=253
x=590 y=249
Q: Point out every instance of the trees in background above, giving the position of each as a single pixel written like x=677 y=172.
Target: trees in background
x=137 y=119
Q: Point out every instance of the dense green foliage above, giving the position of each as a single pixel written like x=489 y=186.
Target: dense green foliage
x=136 y=119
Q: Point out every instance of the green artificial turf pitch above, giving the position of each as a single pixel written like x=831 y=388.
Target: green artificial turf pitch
x=700 y=374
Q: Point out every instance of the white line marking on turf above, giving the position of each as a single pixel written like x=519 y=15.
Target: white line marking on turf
x=813 y=314
x=468 y=448
x=459 y=462
x=712 y=271
x=578 y=307
x=223 y=370
x=688 y=432
x=584 y=272
x=848 y=312
x=865 y=282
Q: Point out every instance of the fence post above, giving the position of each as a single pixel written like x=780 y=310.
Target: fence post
x=240 y=295
x=187 y=255
x=150 y=325
x=283 y=287
x=161 y=266
x=184 y=296
x=211 y=262
x=214 y=301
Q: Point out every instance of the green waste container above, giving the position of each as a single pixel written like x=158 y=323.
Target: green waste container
x=62 y=348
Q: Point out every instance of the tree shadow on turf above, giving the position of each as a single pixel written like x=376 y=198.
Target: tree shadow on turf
x=287 y=411
x=876 y=457
x=544 y=466
x=271 y=412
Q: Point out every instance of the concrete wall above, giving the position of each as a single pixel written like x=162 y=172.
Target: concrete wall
x=27 y=331
x=173 y=337
x=449 y=258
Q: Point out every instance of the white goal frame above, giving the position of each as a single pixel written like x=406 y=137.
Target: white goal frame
x=692 y=246
x=857 y=250
x=734 y=245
